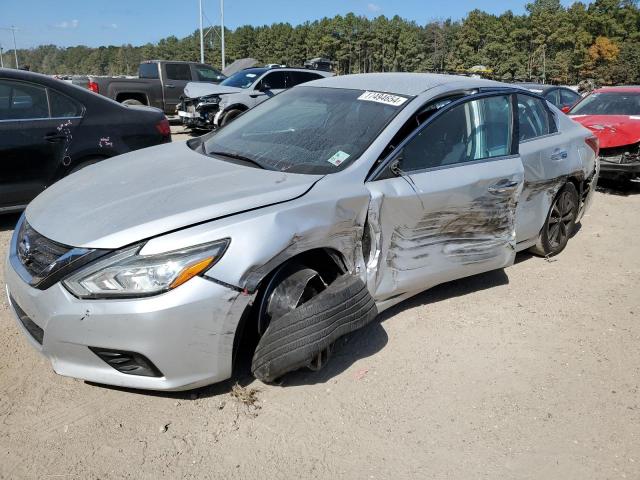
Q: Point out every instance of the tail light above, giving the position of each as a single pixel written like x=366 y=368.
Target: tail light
x=93 y=86
x=163 y=127
x=593 y=143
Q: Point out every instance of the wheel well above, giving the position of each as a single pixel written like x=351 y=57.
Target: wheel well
x=141 y=97
x=237 y=106
x=329 y=263
x=579 y=184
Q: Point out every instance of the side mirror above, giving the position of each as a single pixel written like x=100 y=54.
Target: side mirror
x=566 y=109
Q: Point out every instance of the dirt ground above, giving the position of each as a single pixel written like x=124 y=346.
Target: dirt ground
x=530 y=372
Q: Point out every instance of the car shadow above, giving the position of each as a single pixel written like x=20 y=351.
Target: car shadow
x=8 y=221
x=620 y=188
x=349 y=349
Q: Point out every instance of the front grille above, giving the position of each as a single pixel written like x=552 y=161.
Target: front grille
x=131 y=363
x=37 y=253
x=41 y=262
x=623 y=154
x=36 y=332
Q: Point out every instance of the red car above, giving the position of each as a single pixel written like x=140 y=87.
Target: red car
x=613 y=115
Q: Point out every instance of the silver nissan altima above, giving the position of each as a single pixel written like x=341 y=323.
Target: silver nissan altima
x=294 y=225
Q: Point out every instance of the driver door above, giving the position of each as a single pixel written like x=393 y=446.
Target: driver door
x=445 y=204
x=271 y=84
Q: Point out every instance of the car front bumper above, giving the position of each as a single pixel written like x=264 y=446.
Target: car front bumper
x=187 y=333
x=617 y=170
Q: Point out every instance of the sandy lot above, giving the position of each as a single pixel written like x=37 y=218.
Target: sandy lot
x=530 y=373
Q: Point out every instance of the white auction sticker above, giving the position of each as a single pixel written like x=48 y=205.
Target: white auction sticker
x=338 y=158
x=385 y=98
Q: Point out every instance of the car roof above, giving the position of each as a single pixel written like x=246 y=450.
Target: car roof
x=543 y=87
x=620 y=89
x=261 y=70
x=410 y=84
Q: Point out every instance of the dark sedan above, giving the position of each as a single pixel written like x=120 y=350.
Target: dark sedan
x=562 y=97
x=50 y=128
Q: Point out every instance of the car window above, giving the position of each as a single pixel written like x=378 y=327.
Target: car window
x=148 y=70
x=275 y=81
x=552 y=97
x=608 y=103
x=474 y=130
x=567 y=97
x=63 y=106
x=178 y=71
x=208 y=74
x=533 y=118
x=242 y=79
x=301 y=77
x=20 y=100
x=307 y=129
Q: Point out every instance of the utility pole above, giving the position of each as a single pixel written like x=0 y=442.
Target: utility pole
x=15 y=48
x=201 y=35
x=222 y=31
x=1 y=61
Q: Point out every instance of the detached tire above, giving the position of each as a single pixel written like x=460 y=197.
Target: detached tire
x=229 y=116
x=297 y=338
x=560 y=223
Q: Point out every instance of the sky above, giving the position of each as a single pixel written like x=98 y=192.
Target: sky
x=116 y=22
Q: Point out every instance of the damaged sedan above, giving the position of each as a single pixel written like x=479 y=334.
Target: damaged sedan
x=613 y=115
x=296 y=224
x=205 y=106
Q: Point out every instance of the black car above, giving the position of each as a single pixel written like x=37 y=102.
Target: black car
x=562 y=97
x=50 y=128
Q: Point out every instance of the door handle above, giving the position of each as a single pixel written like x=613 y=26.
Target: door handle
x=54 y=137
x=503 y=186
x=169 y=85
x=559 y=154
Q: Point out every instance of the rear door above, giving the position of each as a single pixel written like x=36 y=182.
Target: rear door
x=175 y=78
x=448 y=211
x=544 y=152
x=32 y=141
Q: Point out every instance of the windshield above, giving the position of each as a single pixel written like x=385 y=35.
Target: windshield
x=243 y=79
x=609 y=103
x=307 y=129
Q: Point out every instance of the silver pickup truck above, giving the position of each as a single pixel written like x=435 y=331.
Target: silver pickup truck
x=159 y=83
x=207 y=106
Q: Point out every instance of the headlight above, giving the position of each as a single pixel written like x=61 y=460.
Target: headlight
x=128 y=274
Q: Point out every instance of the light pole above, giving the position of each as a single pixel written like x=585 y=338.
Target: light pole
x=222 y=30
x=15 y=48
x=201 y=35
x=1 y=61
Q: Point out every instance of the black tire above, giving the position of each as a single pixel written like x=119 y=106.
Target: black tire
x=131 y=101
x=559 y=224
x=229 y=116
x=305 y=334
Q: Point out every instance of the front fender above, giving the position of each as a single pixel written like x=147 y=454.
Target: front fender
x=264 y=238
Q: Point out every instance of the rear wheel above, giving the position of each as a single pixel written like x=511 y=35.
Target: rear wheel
x=560 y=223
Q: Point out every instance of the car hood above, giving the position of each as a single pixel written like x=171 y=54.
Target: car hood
x=149 y=192
x=612 y=130
x=197 y=90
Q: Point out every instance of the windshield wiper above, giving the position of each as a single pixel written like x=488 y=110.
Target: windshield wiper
x=236 y=156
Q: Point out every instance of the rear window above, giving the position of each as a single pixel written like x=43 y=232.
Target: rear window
x=178 y=71
x=21 y=101
x=148 y=70
x=62 y=106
